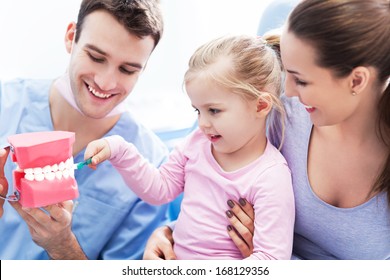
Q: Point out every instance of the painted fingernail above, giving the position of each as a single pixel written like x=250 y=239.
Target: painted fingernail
x=242 y=201
x=229 y=228
x=229 y=213
x=230 y=203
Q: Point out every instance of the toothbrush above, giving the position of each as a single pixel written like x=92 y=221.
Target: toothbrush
x=80 y=165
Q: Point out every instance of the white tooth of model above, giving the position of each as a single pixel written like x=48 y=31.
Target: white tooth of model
x=37 y=170
x=71 y=172
x=39 y=177
x=47 y=169
x=29 y=176
x=54 y=167
x=50 y=176
x=29 y=171
x=61 y=167
x=67 y=163
x=65 y=173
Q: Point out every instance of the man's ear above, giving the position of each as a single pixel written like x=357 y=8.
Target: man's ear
x=360 y=77
x=70 y=36
x=264 y=104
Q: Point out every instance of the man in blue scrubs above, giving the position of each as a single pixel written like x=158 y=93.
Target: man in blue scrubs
x=109 y=47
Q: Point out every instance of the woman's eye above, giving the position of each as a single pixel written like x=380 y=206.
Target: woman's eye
x=197 y=111
x=299 y=82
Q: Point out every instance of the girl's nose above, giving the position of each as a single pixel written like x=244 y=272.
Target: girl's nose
x=203 y=122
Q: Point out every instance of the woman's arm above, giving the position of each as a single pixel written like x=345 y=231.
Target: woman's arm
x=241 y=217
x=160 y=245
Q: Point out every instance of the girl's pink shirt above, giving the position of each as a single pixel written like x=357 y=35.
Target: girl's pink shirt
x=201 y=229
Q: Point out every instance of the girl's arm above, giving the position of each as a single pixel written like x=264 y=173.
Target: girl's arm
x=160 y=243
x=153 y=185
x=274 y=208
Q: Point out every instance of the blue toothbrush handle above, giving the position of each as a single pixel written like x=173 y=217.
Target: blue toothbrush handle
x=83 y=163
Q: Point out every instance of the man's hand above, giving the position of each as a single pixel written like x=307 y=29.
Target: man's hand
x=50 y=228
x=160 y=245
x=3 y=181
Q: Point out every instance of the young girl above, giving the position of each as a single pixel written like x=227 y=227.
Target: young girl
x=233 y=83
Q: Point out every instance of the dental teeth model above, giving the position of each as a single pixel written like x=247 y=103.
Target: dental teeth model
x=45 y=172
x=63 y=169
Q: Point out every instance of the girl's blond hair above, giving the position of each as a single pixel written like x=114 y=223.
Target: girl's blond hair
x=254 y=69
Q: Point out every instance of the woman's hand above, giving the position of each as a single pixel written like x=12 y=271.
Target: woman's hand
x=160 y=245
x=241 y=216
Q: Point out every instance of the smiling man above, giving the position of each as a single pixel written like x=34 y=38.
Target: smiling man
x=109 y=48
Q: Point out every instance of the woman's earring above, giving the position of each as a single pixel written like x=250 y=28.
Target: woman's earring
x=354 y=93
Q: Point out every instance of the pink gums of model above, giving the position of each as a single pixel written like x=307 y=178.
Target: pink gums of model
x=45 y=173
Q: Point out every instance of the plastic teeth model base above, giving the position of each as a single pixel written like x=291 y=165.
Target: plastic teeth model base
x=45 y=172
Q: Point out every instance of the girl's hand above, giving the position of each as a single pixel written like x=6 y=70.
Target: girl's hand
x=241 y=216
x=99 y=150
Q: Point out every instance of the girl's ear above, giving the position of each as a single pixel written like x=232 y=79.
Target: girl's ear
x=264 y=104
x=261 y=105
x=69 y=36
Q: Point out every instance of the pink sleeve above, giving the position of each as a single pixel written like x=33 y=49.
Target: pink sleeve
x=151 y=184
x=273 y=201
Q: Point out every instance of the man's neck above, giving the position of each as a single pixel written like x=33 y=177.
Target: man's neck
x=66 y=118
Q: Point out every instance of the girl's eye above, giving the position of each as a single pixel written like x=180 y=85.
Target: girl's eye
x=96 y=59
x=197 y=111
x=214 y=111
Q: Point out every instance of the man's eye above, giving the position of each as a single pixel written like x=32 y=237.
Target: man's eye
x=127 y=72
x=96 y=59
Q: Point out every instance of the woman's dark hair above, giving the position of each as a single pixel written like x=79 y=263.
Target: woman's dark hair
x=347 y=34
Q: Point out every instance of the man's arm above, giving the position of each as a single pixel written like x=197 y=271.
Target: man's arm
x=52 y=230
